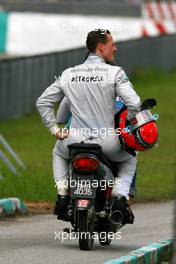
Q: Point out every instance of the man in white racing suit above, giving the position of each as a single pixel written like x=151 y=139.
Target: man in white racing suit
x=91 y=89
x=63 y=117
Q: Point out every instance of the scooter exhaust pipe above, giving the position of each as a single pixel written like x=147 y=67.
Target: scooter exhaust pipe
x=116 y=217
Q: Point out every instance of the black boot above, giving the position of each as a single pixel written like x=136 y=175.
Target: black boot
x=61 y=207
x=120 y=204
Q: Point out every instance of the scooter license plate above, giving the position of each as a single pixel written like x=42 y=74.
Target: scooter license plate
x=83 y=188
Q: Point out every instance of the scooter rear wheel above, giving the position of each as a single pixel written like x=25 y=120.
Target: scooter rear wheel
x=85 y=226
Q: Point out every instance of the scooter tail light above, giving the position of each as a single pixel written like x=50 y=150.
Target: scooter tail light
x=85 y=164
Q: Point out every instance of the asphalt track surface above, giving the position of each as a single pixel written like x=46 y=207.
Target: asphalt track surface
x=37 y=239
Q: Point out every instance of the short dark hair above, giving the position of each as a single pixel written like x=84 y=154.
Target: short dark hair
x=96 y=36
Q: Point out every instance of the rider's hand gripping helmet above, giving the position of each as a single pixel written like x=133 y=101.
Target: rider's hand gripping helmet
x=143 y=132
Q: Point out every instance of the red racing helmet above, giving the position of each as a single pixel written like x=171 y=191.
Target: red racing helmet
x=143 y=132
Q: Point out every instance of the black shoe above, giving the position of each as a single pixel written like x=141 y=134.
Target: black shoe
x=61 y=207
x=120 y=204
x=129 y=216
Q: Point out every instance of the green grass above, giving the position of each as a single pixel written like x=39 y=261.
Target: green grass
x=33 y=143
x=156 y=172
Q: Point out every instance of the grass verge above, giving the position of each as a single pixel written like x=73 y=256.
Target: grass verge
x=33 y=143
